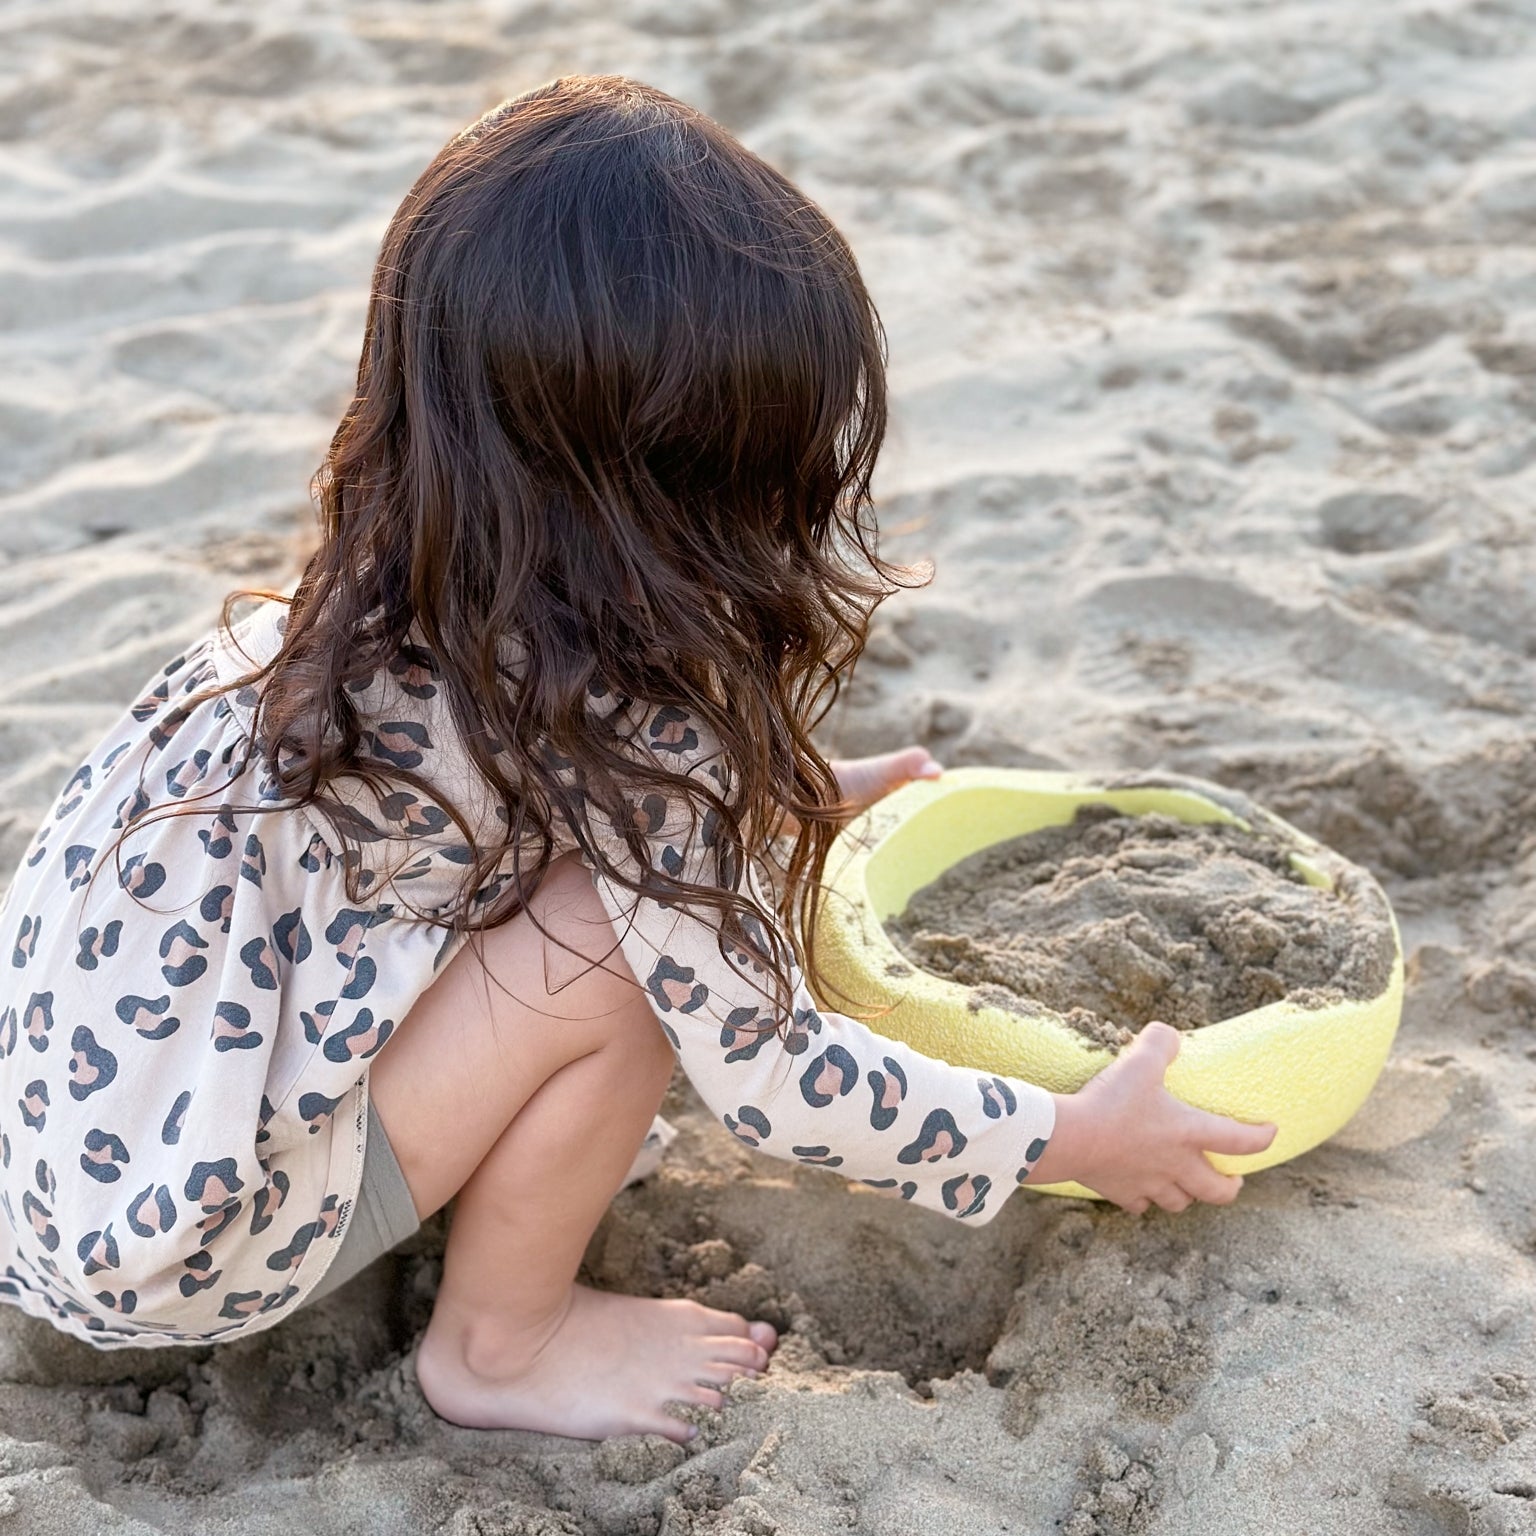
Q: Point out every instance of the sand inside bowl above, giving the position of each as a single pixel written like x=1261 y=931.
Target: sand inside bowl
x=1114 y=920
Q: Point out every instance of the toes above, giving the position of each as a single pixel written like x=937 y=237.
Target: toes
x=730 y=1324
x=705 y=1396
x=673 y=1429
x=723 y=1373
x=725 y=1324
x=741 y=1354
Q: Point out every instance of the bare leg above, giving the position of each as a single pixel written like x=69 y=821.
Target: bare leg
x=530 y=1108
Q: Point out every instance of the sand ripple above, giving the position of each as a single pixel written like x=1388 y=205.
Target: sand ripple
x=1214 y=354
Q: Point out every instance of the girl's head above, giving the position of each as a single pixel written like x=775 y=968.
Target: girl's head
x=620 y=396
x=613 y=360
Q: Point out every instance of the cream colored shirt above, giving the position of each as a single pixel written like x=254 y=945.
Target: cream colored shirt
x=183 y=1082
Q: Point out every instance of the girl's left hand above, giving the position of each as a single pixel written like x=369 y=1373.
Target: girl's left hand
x=864 y=780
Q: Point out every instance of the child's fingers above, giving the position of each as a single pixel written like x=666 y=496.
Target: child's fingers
x=1236 y=1138
x=1204 y=1183
x=1155 y=1047
x=915 y=763
x=1172 y=1199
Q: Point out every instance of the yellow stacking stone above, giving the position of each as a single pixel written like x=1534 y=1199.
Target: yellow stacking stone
x=1307 y=1070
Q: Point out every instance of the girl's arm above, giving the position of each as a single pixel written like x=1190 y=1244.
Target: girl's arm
x=818 y=1087
x=808 y=1085
x=835 y=1093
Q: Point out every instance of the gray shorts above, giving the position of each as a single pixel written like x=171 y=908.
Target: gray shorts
x=385 y=1215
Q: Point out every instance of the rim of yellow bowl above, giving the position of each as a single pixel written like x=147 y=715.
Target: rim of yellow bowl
x=878 y=829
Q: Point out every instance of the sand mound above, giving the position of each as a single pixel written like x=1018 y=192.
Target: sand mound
x=1112 y=921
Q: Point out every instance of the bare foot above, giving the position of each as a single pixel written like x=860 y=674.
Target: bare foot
x=603 y=1365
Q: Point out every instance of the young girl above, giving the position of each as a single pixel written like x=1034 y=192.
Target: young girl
x=411 y=886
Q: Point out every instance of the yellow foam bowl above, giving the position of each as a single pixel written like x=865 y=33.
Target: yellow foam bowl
x=1306 y=1070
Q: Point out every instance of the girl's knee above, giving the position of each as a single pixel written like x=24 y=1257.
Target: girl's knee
x=652 y=1051
x=580 y=945
x=561 y=953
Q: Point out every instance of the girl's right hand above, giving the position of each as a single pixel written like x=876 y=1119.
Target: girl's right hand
x=1124 y=1136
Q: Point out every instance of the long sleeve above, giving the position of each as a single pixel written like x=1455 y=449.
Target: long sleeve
x=816 y=1087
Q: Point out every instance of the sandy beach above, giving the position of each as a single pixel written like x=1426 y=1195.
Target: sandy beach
x=1213 y=355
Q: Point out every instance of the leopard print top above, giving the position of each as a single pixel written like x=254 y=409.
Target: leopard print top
x=186 y=1030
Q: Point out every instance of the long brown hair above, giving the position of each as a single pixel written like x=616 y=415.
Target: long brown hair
x=620 y=397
